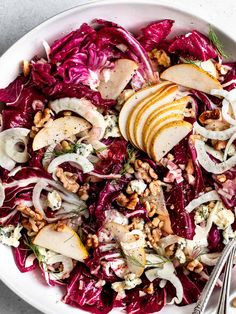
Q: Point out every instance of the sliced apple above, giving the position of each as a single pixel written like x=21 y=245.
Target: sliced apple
x=167 y=137
x=191 y=76
x=153 y=119
x=59 y=130
x=168 y=95
x=176 y=115
x=114 y=81
x=65 y=242
x=136 y=256
x=133 y=114
x=132 y=102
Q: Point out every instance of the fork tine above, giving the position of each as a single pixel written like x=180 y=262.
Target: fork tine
x=207 y=291
x=224 y=294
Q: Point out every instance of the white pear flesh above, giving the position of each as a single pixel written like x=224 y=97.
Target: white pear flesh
x=131 y=103
x=65 y=242
x=167 y=96
x=59 y=130
x=136 y=109
x=191 y=76
x=119 y=77
x=177 y=106
x=135 y=258
x=168 y=137
x=167 y=118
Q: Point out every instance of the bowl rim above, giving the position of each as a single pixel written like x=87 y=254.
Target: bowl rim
x=62 y=14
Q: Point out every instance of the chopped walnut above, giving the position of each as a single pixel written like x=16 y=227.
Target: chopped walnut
x=154 y=188
x=234 y=302
x=128 y=202
x=161 y=57
x=60 y=225
x=219 y=145
x=92 y=241
x=221 y=178
x=170 y=250
x=83 y=192
x=66 y=146
x=207 y=116
x=41 y=118
x=68 y=180
x=195 y=266
x=34 y=130
x=153 y=234
x=33 y=220
x=137 y=223
x=144 y=171
x=26 y=67
x=149 y=289
x=189 y=168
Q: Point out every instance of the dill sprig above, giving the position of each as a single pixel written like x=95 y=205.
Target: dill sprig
x=131 y=157
x=35 y=250
x=214 y=39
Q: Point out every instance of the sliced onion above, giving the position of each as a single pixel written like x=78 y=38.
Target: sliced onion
x=215 y=153
x=78 y=160
x=219 y=92
x=167 y=272
x=208 y=164
x=214 y=135
x=41 y=185
x=67 y=266
x=48 y=155
x=230 y=142
x=225 y=113
x=207 y=197
x=209 y=259
x=13 y=151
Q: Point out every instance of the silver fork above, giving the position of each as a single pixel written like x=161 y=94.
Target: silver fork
x=226 y=258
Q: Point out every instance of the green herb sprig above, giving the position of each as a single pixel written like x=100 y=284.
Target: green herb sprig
x=131 y=157
x=214 y=39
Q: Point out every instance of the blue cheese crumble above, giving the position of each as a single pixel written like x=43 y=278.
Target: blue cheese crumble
x=112 y=129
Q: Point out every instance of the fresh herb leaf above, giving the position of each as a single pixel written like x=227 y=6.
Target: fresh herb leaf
x=35 y=250
x=134 y=261
x=131 y=157
x=196 y=62
x=214 y=39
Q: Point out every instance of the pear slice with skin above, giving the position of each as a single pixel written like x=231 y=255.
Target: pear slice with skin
x=119 y=77
x=65 y=242
x=135 y=257
x=167 y=137
x=191 y=76
x=131 y=103
x=59 y=130
x=153 y=119
x=175 y=115
x=133 y=113
x=168 y=95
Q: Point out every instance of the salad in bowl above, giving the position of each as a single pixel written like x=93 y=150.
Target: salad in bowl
x=118 y=163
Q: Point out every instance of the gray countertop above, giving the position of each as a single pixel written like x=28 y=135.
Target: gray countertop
x=19 y=16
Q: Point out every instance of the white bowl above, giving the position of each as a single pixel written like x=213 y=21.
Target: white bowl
x=131 y=15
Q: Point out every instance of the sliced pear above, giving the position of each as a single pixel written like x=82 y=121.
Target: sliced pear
x=191 y=76
x=59 y=130
x=167 y=137
x=208 y=66
x=133 y=114
x=65 y=242
x=135 y=257
x=168 y=95
x=118 y=78
x=176 y=115
x=153 y=119
x=132 y=102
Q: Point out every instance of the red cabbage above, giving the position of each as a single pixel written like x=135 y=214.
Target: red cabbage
x=215 y=240
x=193 y=45
x=230 y=76
x=153 y=34
x=83 y=293
x=20 y=255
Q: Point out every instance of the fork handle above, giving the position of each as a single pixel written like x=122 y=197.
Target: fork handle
x=224 y=294
x=207 y=291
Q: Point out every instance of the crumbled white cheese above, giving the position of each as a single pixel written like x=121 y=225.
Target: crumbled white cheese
x=228 y=234
x=224 y=218
x=138 y=186
x=130 y=282
x=115 y=216
x=112 y=129
x=84 y=150
x=54 y=200
x=201 y=214
x=10 y=235
x=179 y=254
